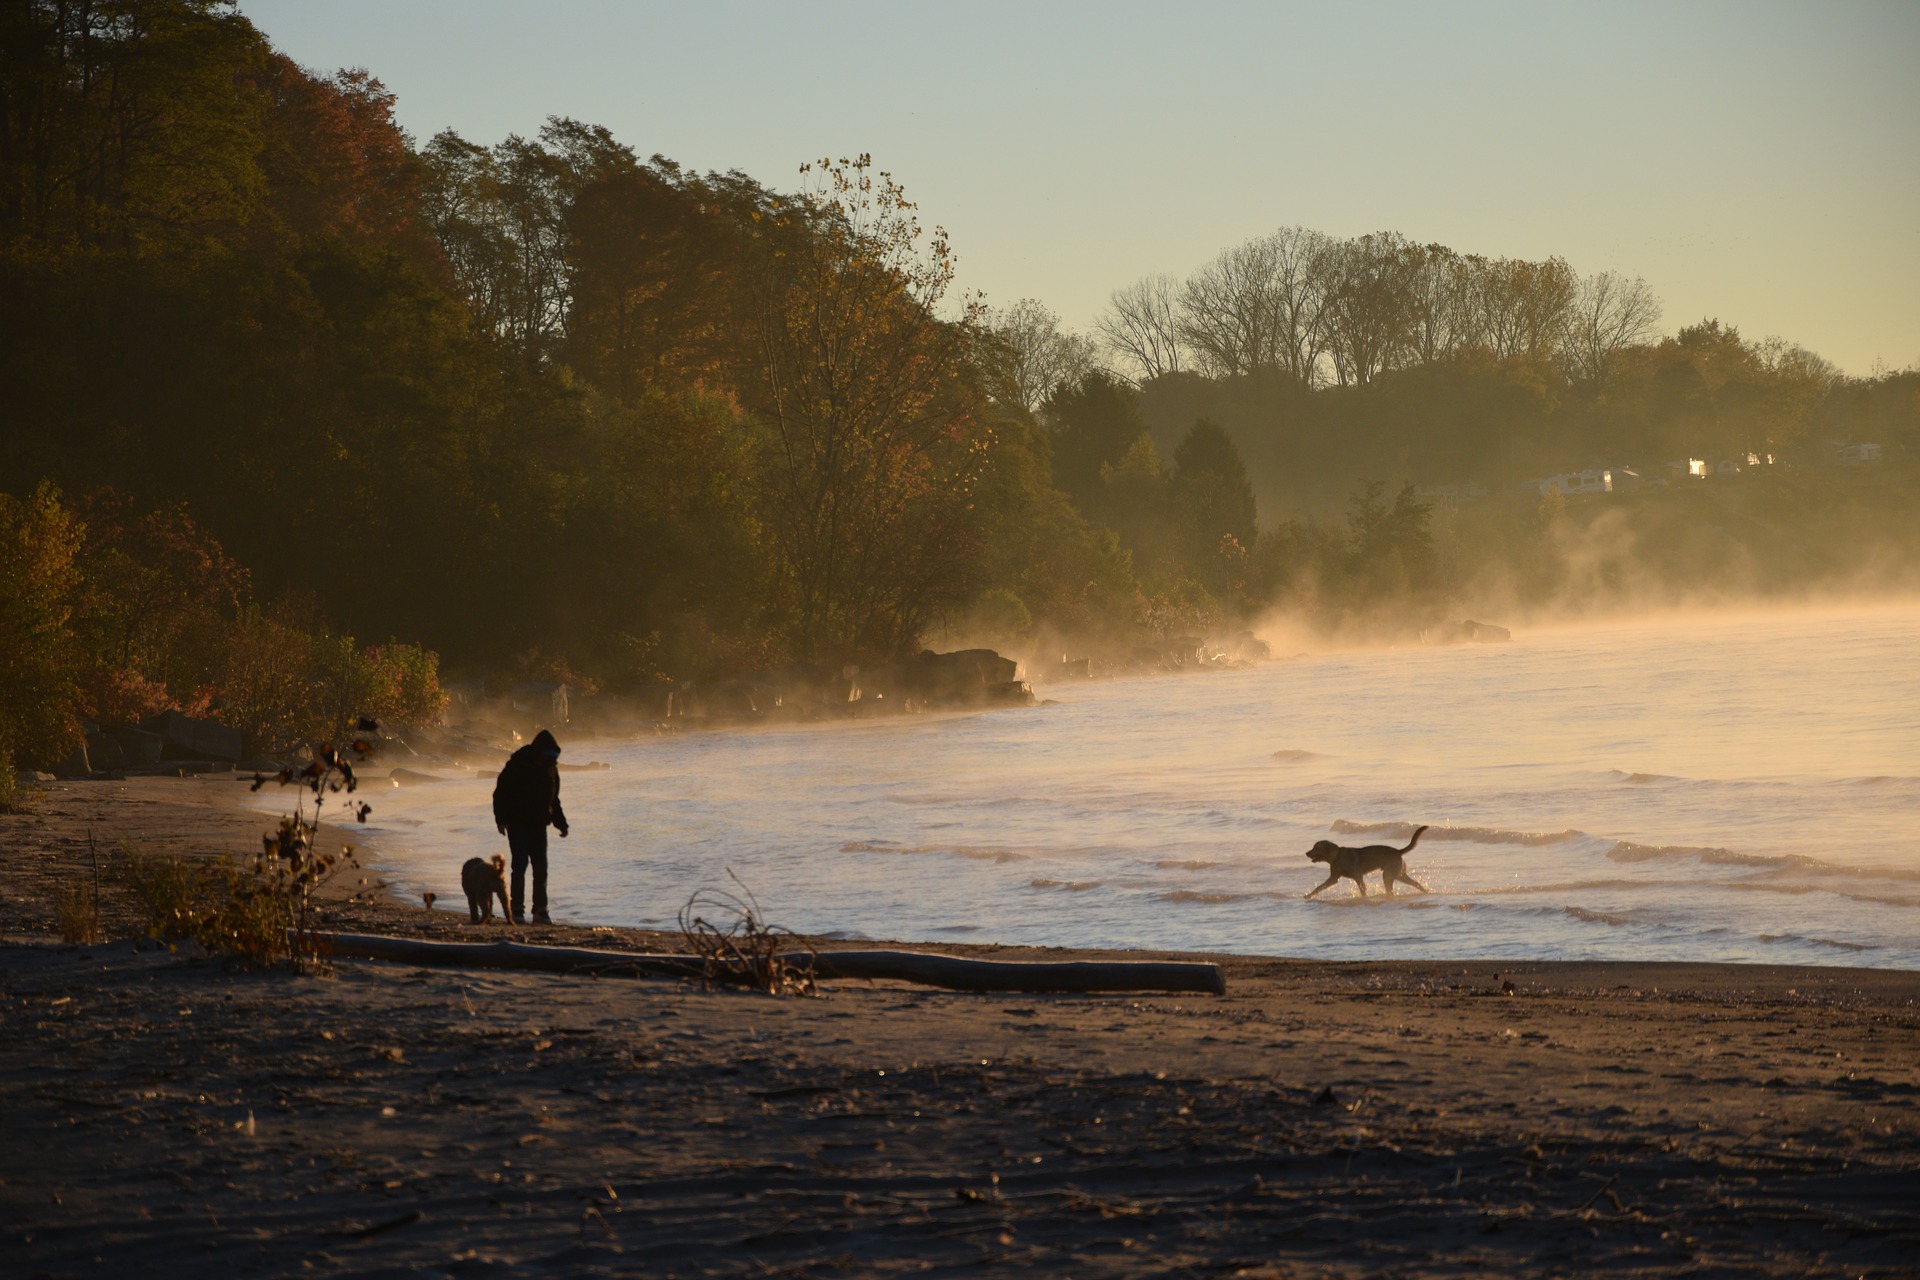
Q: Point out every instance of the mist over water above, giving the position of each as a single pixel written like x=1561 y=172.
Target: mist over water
x=1723 y=788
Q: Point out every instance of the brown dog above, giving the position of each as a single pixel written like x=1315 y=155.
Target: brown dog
x=484 y=881
x=1355 y=864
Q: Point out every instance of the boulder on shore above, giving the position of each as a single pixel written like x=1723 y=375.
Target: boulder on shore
x=185 y=738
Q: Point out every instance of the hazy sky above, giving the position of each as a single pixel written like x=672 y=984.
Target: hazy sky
x=1759 y=162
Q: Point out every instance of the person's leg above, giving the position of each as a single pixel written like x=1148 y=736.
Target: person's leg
x=537 y=855
x=518 y=842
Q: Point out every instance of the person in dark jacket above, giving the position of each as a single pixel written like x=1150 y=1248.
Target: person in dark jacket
x=526 y=800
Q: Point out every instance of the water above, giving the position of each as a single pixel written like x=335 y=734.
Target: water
x=1730 y=789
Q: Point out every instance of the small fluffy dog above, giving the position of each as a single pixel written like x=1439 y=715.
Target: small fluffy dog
x=484 y=881
x=1355 y=864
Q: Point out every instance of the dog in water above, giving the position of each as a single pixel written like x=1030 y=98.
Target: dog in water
x=484 y=881
x=1356 y=864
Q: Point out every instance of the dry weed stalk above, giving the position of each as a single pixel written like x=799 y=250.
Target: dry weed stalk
x=290 y=867
x=76 y=907
x=738 y=946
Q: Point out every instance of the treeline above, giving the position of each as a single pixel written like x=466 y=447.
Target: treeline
x=1342 y=312
x=540 y=408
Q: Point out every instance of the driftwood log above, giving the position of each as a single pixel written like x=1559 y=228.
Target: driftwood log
x=953 y=972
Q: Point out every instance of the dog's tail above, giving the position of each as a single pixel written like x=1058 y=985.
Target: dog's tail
x=1415 y=840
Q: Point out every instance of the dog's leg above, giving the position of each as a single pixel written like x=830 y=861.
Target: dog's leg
x=1386 y=882
x=1415 y=883
x=1323 y=884
x=1360 y=883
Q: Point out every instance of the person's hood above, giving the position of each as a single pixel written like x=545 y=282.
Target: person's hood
x=543 y=743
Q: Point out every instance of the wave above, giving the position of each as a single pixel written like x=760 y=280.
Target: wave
x=1835 y=943
x=1628 y=851
x=1195 y=895
x=1184 y=864
x=1799 y=890
x=958 y=851
x=1595 y=917
x=1294 y=756
x=1078 y=886
x=1479 y=835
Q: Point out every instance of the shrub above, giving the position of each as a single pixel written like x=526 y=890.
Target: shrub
x=403 y=685
x=76 y=910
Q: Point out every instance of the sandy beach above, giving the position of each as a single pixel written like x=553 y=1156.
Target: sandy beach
x=170 y=1116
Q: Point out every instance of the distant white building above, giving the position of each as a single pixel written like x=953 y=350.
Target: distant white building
x=1568 y=483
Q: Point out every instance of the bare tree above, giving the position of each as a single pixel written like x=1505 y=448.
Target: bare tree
x=1609 y=314
x=1229 y=318
x=1303 y=267
x=1028 y=355
x=1141 y=326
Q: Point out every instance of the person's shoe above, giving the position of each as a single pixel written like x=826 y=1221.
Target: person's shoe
x=519 y=919
x=541 y=917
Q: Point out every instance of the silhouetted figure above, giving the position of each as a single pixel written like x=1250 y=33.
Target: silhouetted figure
x=526 y=800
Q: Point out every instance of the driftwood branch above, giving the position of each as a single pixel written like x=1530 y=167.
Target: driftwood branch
x=952 y=972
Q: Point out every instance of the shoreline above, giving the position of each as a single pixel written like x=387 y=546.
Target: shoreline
x=1333 y=1118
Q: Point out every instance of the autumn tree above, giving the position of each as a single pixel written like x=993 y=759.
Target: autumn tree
x=870 y=438
x=38 y=651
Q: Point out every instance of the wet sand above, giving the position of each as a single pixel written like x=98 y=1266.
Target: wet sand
x=168 y=1116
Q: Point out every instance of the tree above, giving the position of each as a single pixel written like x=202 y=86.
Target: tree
x=131 y=125
x=1440 y=319
x=1213 y=503
x=871 y=442
x=1609 y=313
x=1028 y=358
x=1302 y=266
x=1391 y=551
x=1093 y=423
x=1142 y=326
x=39 y=539
x=1369 y=308
x=1524 y=307
x=1229 y=313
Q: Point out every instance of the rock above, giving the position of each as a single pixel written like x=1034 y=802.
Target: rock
x=1010 y=693
x=77 y=764
x=185 y=738
x=139 y=749
x=959 y=677
x=1247 y=647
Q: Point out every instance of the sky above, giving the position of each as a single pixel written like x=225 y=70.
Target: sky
x=1757 y=162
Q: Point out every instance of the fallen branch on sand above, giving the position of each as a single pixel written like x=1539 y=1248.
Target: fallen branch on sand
x=953 y=972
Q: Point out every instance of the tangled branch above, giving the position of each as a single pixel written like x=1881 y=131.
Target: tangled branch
x=738 y=947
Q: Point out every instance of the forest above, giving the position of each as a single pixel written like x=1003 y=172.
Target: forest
x=300 y=414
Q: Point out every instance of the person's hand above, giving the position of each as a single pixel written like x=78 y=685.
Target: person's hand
x=501 y=827
x=563 y=833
